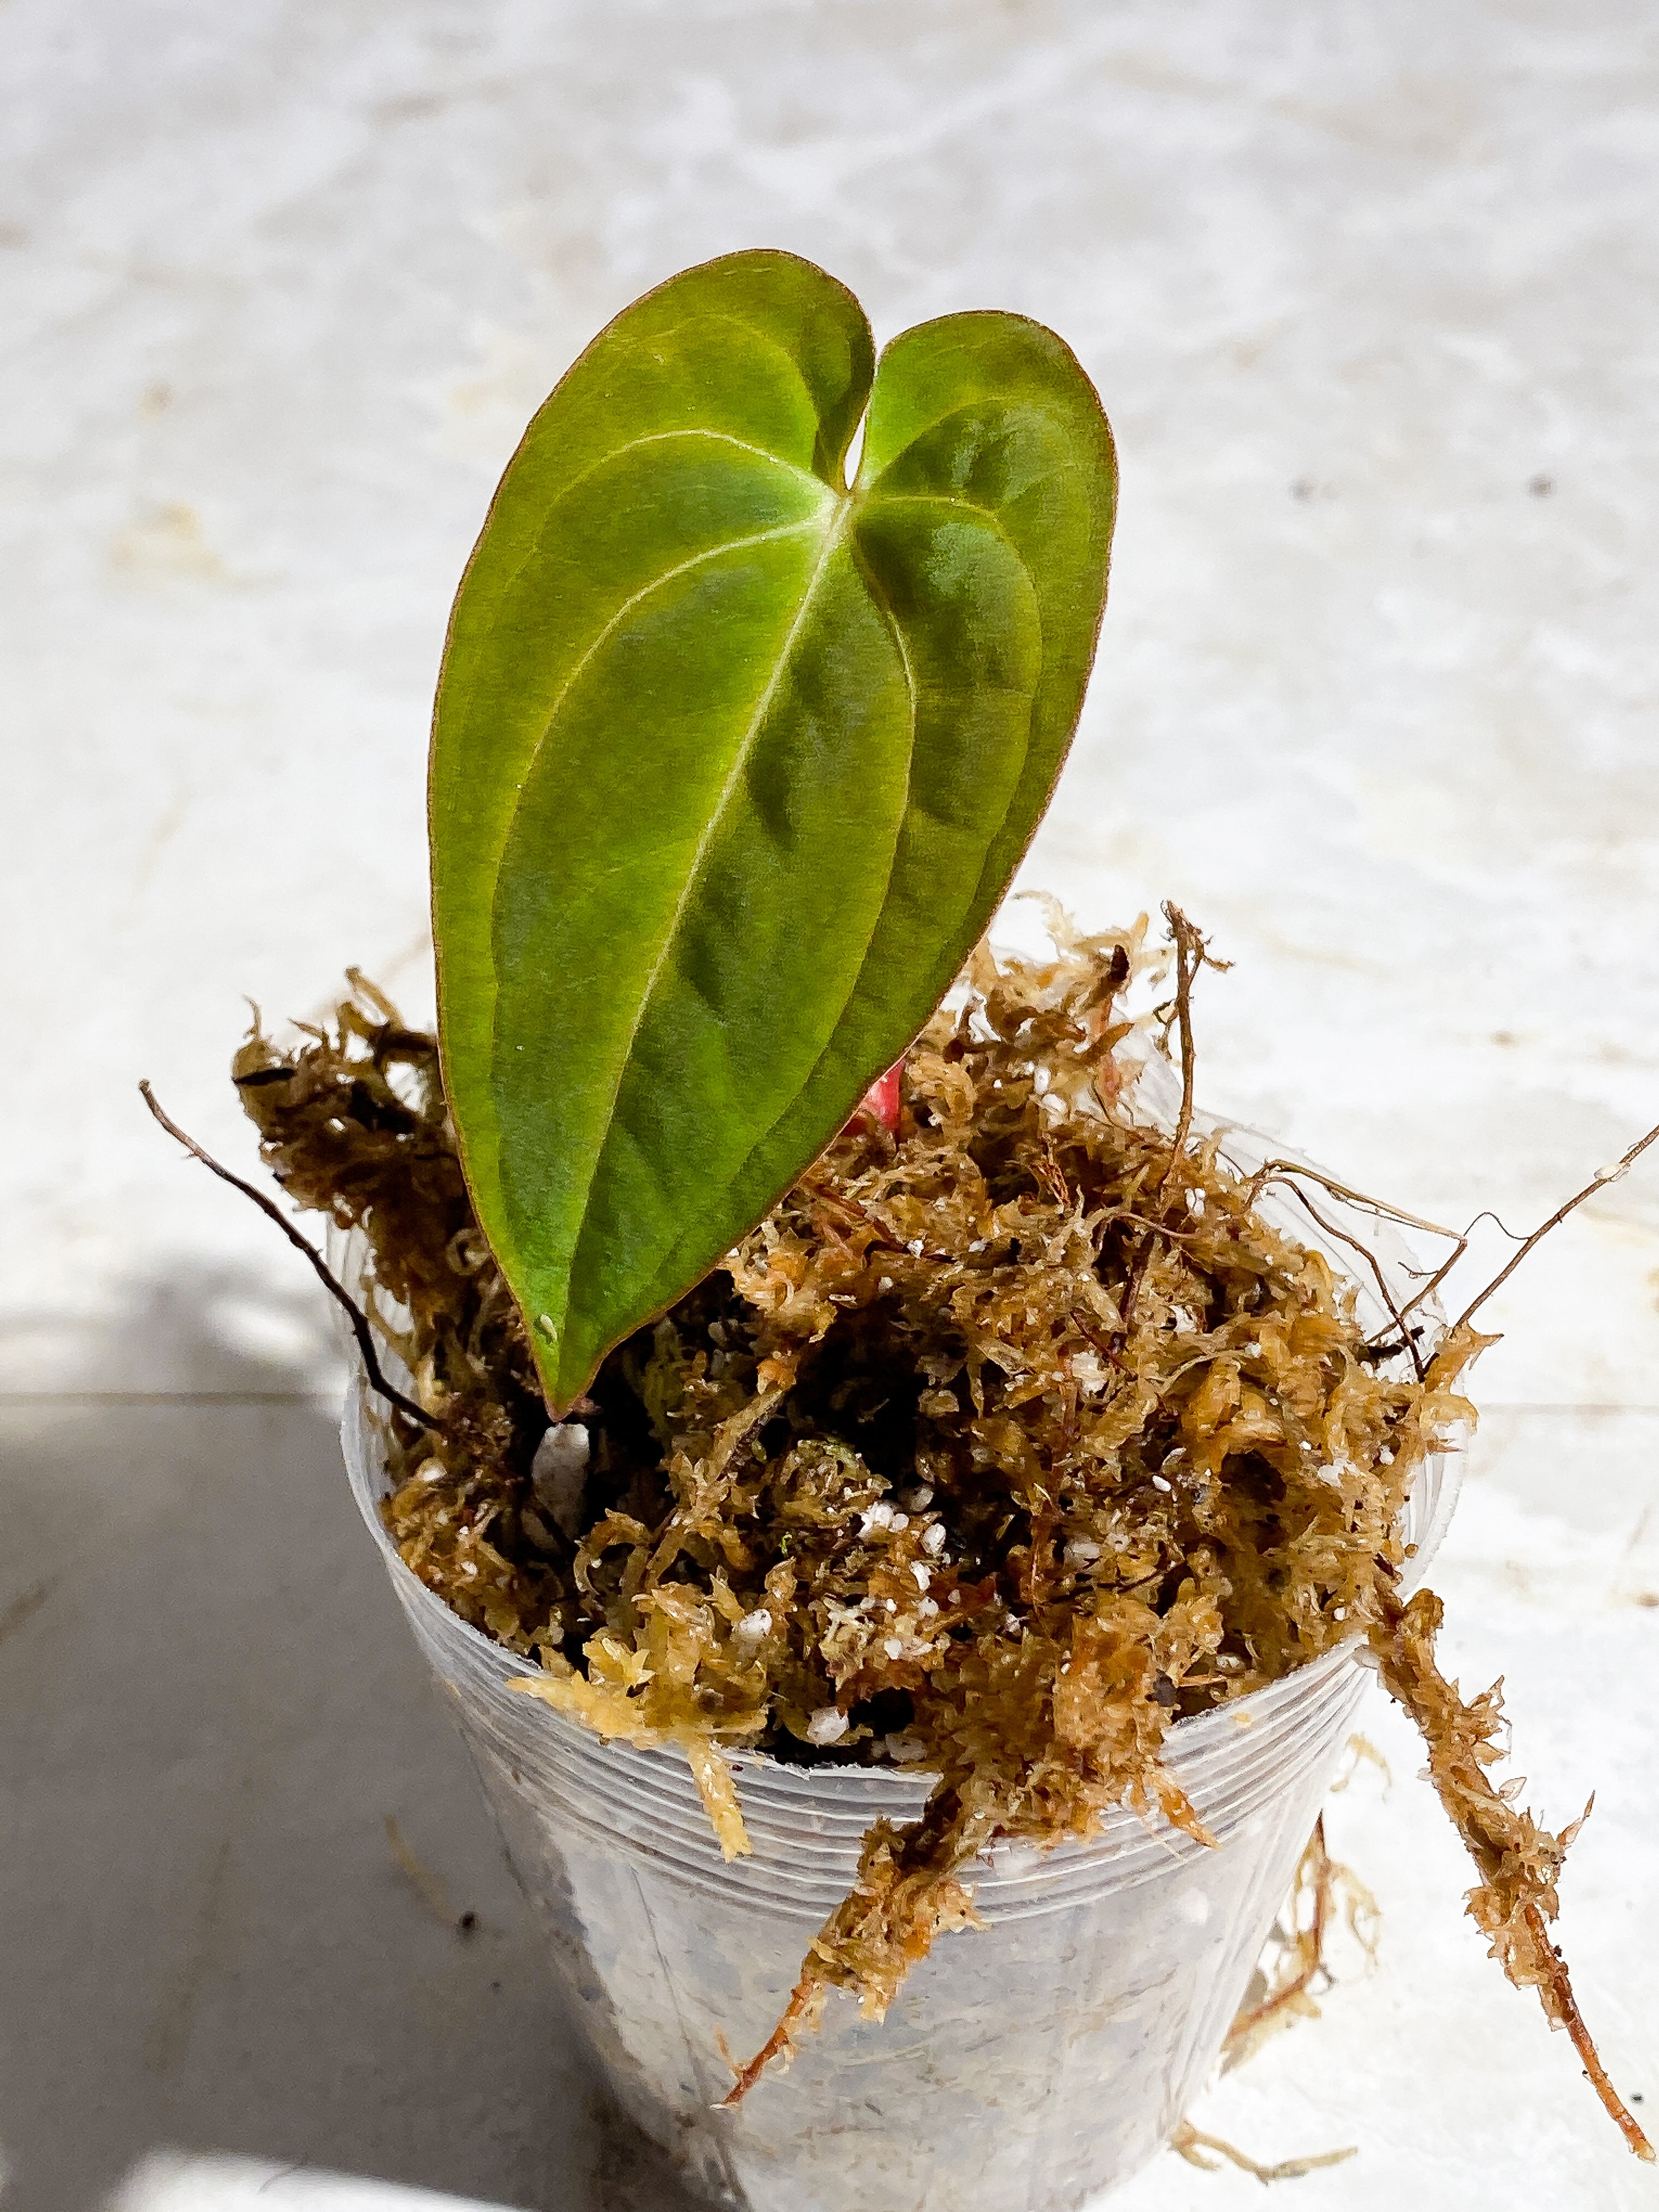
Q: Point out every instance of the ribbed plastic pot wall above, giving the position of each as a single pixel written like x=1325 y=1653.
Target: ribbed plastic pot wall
x=1025 y=2064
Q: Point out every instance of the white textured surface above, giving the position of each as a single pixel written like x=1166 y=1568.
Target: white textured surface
x=281 y=285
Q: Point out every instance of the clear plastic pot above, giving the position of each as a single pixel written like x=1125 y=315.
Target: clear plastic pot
x=1026 y=2065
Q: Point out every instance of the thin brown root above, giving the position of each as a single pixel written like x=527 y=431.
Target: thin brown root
x=1291 y=1170
x=1192 y=2143
x=804 y=1999
x=1599 y=1182
x=1381 y=1207
x=353 y=1312
x=1319 y=1878
x=1293 y=1173
x=1406 y=1336
x=1565 y=2013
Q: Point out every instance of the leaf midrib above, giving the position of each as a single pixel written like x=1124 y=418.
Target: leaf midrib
x=884 y=606
x=835 y=537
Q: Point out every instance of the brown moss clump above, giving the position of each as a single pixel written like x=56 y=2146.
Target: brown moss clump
x=1008 y=1438
x=353 y=1125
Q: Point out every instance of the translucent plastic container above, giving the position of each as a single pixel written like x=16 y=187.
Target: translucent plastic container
x=1031 y=2063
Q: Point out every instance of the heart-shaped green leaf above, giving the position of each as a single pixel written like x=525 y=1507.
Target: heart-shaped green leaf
x=730 y=763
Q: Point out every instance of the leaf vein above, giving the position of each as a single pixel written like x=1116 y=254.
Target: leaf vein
x=991 y=518
x=689 y=430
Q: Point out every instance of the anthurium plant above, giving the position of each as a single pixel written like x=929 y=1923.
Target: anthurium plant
x=735 y=754
x=1000 y=1430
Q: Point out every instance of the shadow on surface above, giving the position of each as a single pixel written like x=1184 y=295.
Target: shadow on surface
x=210 y=1707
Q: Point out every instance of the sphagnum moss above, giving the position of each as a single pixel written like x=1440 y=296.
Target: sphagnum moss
x=1008 y=1437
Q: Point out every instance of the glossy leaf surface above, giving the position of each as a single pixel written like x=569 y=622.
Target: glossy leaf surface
x=732 y=763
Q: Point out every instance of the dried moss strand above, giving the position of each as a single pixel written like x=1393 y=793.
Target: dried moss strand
x=904 y=1894
x=1191 y=2143
x=1190 y=955
x=1517 y=1861
x=1288 y=1994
